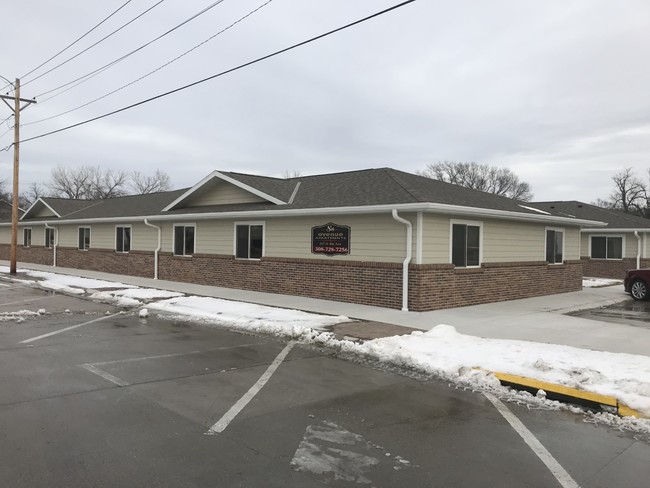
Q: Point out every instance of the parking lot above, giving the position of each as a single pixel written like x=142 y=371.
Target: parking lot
x=628 y=312
x=94 y=397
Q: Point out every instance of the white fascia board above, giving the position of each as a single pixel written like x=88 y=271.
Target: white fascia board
x=40 y=200
x=221 y=176
x=439 y=208
x=615 y=231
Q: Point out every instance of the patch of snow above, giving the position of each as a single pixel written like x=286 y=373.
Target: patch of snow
x=120 y=301
x=144 y=313
x=598 y=282
x=51 y=285
x=248 y=316
x=74 y=281
x=18 y=316
x=532 y=209
x=146 y=293
x=457 y=357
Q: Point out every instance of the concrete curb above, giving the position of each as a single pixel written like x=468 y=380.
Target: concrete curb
x=580 y=396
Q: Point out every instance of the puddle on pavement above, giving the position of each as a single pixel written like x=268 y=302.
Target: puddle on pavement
x=628 y=312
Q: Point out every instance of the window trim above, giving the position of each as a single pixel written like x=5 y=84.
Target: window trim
x=248 y=223
x=475 y=223
x=130 y=227
x=555 y=229
x=47 y=230
x=90 y=237
x=622 y=236
x=189 y=224
x=31 y=233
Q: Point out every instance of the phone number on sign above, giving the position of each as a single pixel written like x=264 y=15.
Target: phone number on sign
x=343 y=250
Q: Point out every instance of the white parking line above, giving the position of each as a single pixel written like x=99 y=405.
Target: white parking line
x=551 y=463
x=27 y=341
x=105 y=375
x=230 y=415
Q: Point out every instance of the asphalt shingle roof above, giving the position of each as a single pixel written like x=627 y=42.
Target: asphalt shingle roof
x=615 y=219
x=384 y=186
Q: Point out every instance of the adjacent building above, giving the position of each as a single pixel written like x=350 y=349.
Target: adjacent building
x=378 y=237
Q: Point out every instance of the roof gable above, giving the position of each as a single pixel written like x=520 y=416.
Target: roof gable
x=40 y=208
x=223 y=188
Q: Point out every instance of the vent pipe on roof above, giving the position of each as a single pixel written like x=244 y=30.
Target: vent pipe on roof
x=55 y=243
x=155 y=253
x=638 y=249
x=407 y=260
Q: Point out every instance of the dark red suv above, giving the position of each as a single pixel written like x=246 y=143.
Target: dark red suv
x=637 y=282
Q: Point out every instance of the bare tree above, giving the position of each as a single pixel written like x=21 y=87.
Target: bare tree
x=143 y=184
x=87 y=182
x=291 y=173
x=483 y=177
x=630 y=193
x=28 y=197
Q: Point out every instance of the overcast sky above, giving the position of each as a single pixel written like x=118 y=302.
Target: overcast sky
x=557 y=91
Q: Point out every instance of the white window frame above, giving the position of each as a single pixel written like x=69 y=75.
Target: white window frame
x=130 y=237
x=556 y=229
x=475 y=223
x=50 y=229
x=249 y=223
x=622 y=236
x=189 y=224
x=90 y=236
x=31 y=233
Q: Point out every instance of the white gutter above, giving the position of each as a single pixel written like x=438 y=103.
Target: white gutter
x=638 y=249
x=56 y=242
x=407 y=260
x=615 y=231
x=440 y=208
x=155 y=253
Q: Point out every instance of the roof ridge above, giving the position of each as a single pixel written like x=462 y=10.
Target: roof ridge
x=390 y=172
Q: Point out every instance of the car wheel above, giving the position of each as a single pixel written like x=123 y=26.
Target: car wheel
x=639 y=290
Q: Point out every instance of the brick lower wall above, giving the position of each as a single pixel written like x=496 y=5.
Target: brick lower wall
x=33 y=254
x=610 y=268
x=431 y=287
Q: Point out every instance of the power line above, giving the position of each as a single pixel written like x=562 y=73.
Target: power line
x=93 y=45
x=76 y=40
x=123 y=57
x=146 y=75
x=249 y=63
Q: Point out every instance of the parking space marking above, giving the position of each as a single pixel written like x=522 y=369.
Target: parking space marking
x=49 y=334
x=105 y=375
x=230 y=415
x=561 y=475
x=27 y=300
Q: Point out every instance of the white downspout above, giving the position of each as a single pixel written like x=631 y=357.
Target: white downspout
x=155 y=253
x=407 y=260
x=56 y=242
x=638 y=249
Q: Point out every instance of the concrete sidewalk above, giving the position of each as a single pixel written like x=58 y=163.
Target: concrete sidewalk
x=540 y=319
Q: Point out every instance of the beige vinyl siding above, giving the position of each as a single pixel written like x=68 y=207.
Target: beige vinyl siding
x=630 y=245
x=221 y=193
x=571 y=243
x=43 y=211
x=5 y=234
x=38 y=235
x=372 y=237
x=508 y=241
x=585 y=244
x=69 y=235
x=435 y=239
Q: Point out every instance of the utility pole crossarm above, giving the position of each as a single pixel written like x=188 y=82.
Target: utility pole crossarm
x=7 y=97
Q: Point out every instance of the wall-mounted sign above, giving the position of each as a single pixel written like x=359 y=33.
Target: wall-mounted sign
x=330 y=239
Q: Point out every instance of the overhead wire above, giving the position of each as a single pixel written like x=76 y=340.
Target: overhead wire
x=222 y=73
x=96 y=43
x=150 y=72
x=77 y=39
x=123 y=57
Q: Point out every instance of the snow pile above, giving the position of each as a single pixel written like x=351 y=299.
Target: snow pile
x=247 y=316
x=20 y=315
x=133 y=297
x=74 y=285
x=598 y=282
x=445 y=352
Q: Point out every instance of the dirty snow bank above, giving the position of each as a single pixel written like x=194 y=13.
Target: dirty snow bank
x=68 y=284
x=247 y=316
x=445 y=352
x=598 y=282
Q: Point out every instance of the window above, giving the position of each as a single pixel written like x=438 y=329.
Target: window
x=27 y=237
x=465 y=245
x=49 y=237
x=84 y=238
x=554 y=246
x=607 y=247
x=184 y=240
x=123 y=239
x=249 y=241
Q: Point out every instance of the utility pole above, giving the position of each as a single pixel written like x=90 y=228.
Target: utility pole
x=14 y=204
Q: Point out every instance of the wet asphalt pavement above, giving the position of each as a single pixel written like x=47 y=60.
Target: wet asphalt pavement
x=629 y=312
x=126 y=402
